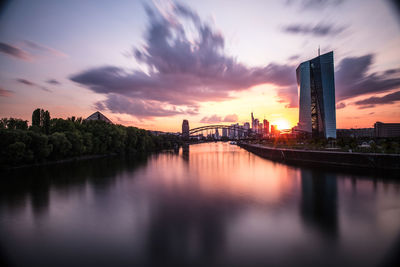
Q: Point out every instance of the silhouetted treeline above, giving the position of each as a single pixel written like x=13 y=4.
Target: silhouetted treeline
x=55 y=139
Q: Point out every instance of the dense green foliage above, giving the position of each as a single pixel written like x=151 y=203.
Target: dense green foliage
x=54 y=139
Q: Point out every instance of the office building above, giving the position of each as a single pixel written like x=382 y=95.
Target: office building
x=316 y=84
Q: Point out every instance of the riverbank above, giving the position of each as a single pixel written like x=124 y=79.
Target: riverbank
x=327 y=158
x=61 y=161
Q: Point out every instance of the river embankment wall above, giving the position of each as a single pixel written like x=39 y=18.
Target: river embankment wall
x=327 y=158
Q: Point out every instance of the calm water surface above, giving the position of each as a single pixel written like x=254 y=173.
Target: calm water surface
x=215 y=205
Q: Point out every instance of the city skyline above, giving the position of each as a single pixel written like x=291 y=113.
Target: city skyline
x=153 y=65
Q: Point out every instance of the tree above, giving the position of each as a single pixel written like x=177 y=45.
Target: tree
x=17 y=124
x=36 y=117
x=46 y=122
x=3 y=123
x=15 y=152
x=61 y=145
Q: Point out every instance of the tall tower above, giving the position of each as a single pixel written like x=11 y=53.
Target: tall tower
x=252 y=121
x=185 y=129
x=316 y=84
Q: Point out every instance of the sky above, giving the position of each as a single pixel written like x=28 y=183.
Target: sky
x=151 y=64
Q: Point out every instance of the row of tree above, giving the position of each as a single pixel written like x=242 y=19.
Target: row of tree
x=54 y=139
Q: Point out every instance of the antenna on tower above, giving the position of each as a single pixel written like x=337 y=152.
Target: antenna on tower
x=319 y=50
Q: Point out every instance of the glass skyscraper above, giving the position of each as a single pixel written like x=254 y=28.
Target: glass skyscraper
x=316 y=84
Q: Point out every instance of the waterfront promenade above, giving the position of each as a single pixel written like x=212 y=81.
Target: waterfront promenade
x=327 y=158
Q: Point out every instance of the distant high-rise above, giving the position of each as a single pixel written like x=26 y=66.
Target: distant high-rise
x=266 y=126
x=256 y=125
x=185 y=129
x=274 y=129
x=316 y=83
x=224 y=132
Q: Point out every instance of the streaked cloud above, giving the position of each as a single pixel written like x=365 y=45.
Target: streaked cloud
x=314 y=4
x=340 y=105
x=315 y=30
x=218 y=119
x=26 y=82
x=43 y=49
x=5 y=93
x=53 y=82
x=32 y=84
x=28 y=50
x=374 y=100
x=14 y=51
x=231 y=118
x=352 y=78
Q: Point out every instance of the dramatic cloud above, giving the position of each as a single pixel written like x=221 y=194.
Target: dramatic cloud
x=184 y=68
x=53 y=82
x=29 y=83
x=217 y=119
x=317 y=30
x=43 y=49
x=14 y=51
x=372 y=101
x=5 y=93
x=340 y=105
x=185 y=64
x=352 y=78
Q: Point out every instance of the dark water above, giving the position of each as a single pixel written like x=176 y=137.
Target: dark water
x=216 y=205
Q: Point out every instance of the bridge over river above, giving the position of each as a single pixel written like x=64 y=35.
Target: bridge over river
x=231 y=130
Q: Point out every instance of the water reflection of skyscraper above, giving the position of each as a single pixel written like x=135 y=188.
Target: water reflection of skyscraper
x=318 y=204
x=185 y=152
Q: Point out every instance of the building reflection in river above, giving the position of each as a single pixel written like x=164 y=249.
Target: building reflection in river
x=318 y=203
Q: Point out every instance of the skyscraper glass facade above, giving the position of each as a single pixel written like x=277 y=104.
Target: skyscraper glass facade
x=316 y=84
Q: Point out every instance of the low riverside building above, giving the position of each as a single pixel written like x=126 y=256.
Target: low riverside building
x=355 y=133
x=98 y=116
x=387 y=129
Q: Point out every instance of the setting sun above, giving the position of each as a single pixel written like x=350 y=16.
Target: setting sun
x=282 y=124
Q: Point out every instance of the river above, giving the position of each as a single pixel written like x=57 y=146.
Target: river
x=214 y=204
